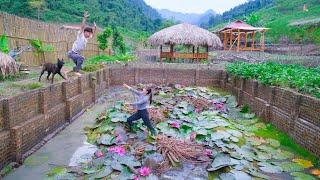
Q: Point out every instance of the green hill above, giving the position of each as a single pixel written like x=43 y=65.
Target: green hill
x=287 y=19
x=130 y=14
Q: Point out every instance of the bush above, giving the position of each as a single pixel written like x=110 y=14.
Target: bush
x=109 y=59
x=92 y=67
x=304 y=80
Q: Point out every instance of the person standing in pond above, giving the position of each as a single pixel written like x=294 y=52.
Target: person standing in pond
x=141 y=104
x=79 y=45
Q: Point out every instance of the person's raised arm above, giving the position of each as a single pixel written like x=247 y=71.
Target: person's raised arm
x=84 y=20
x=131 y=89
x=94 y=28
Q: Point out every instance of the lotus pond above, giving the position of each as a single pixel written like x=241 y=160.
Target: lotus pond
x=202 y=134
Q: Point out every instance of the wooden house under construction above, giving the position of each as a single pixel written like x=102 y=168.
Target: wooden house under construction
x=240 y=36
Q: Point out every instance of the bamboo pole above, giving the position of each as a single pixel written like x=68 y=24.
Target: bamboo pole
x=246 y=41
x=231 y=39
x=225 y=40
x=253 y=36
x=239 y=36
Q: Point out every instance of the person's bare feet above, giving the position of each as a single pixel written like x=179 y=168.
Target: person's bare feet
x=77 y=74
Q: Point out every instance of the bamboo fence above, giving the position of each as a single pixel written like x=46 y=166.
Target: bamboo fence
x=20 y=30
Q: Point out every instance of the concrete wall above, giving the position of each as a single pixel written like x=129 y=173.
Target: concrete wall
x=26 y=120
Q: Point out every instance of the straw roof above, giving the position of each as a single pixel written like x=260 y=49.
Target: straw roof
x=185 y=34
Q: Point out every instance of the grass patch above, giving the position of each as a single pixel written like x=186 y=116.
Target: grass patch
x=34 y=85
x=286 y=141
x=92 y=67
x=6 y=170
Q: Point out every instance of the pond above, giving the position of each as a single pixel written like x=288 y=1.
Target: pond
x=202 y=134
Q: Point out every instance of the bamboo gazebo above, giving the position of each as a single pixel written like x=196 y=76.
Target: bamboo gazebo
x=187 y=35
x=240 y=36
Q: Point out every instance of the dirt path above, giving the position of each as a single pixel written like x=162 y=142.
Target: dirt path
x=69 y=143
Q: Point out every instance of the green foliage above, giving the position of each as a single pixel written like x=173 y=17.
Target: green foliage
x=305 y=80
x=40 y=47
x=252 y=19
x=6 y=170
x=118 y=44
x=92 y=67
x=134 y=15
x=103 y=38
x=4 y=47
x=245 y=109
x=34 y=85
x=240 y=11
x=167 y=23
x=108 y=59
x=277 y=15
x=270 y=131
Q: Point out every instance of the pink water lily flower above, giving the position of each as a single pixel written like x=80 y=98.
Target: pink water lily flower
x=136 y=178
x=144 y=171
x=175 y=125
x=193 y=136
x=119 y=138
x=208 y=152
x=117 y=149
x=98 y=154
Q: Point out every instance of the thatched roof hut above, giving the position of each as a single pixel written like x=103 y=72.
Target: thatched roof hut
x=185 y=34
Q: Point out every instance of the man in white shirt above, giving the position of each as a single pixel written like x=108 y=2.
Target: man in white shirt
x=80 y=44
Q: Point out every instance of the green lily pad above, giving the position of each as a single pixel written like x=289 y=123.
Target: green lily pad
x=125 y=174
x=234 y=139
x=302 y=176
x=264 y=155
x=116 y=166
x=106 y=139
x=129 y=161
x=269 y=168
x=282 y=155
x=291 y=167
x=249 y=115
x=57 y=171
x=257 y=174
x=106 y=171
x=273 y=143
x=118 y=117
x=234 y=133
x=221 y=160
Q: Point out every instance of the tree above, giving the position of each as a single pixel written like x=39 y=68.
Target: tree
x=118 y=44
x=39 y=4
x=103 y=38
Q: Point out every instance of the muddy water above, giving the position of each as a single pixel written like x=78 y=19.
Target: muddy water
x=69 y=144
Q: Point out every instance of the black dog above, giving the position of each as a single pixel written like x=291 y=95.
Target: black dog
x=52 y=68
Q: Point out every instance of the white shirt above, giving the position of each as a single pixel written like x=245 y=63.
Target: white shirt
x=80 y=43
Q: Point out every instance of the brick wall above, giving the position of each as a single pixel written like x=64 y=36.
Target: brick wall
x=296 y=114
x=26 y=119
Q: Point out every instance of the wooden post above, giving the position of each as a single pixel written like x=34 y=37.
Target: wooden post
x=225 y=40
x=252 y=45
x=262 y=42
x=231 y=38
x=198 y=53
x=171 y=52
x=246 y=41
x=207 y=49
x=161 y=54
x=239 y=36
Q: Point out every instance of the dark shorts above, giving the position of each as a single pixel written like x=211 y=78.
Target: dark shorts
x=77 y=59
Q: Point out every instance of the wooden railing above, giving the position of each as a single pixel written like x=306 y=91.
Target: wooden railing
x=170 y=55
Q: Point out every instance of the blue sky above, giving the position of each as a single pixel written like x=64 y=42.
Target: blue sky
x=194 y=6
